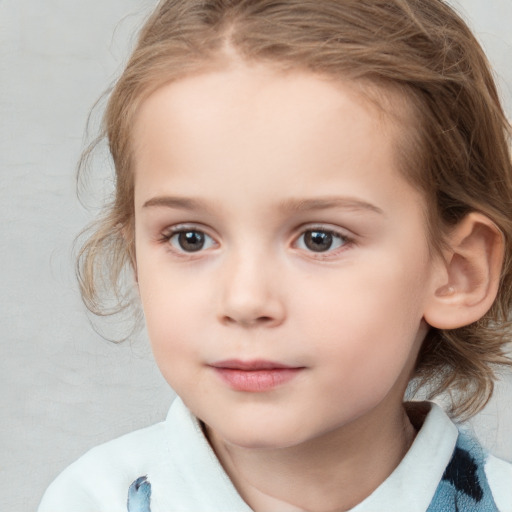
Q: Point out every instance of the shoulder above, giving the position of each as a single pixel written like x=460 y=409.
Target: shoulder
x=475 y=479
x=499 y=475
x=168 y=466
x=443 y=467
x=100 y=479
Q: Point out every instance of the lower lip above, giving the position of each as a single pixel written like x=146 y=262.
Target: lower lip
x=256 y=381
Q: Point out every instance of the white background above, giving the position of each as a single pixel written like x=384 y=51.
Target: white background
x=63 y=388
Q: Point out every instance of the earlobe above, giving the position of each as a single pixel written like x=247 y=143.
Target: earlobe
x=468 y=278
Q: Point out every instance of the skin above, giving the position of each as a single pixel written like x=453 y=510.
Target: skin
x=254 y=158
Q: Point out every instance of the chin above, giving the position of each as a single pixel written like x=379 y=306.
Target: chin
x=256 y=436
x=258 y=441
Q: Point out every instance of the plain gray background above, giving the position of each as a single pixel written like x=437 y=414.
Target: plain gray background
x=63 y=388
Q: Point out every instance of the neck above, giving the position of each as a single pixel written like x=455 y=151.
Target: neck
x=333 y=472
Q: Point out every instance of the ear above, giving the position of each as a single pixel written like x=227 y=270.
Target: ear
x=468 y=278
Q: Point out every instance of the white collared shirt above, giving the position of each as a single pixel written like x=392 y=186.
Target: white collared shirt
x=186 y=476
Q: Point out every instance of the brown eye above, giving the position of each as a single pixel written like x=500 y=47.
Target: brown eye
x=190 y=240
x=318 y=240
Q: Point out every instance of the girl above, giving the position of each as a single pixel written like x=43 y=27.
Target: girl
x=315 y=201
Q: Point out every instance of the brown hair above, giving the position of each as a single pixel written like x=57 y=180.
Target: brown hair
x=457 y=152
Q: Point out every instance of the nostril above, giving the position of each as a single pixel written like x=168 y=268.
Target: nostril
x=249 y=322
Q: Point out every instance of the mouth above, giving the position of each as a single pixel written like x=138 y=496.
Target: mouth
x=254 y=376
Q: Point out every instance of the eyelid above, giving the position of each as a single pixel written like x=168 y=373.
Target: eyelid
x=186 y=226
x=325 y=227
x=344 y=234
x=168 y=233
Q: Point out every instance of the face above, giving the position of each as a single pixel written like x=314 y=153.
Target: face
x=282 y=260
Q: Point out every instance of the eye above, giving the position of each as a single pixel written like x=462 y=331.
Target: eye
x=320 y=240
x=190 y=240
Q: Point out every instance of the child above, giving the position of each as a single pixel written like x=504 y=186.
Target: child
x=315 y=198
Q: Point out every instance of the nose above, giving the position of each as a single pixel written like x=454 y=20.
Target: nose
x=251 y=293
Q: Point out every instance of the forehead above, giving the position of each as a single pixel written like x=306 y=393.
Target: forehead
x=256 y=126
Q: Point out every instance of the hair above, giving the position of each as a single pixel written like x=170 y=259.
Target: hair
x=455 y=151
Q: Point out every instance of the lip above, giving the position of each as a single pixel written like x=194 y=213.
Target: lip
x=255 y=376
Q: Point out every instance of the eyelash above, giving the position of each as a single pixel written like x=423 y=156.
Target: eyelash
x=344 y=240
x=168 y=235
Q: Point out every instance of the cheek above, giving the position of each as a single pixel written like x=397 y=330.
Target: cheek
x=170 y=319
x=370 y=322
x=179 y=312
x=385 y=295
x=173 y=343
x=171 y=299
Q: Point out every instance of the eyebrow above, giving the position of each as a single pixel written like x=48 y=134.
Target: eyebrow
x=289 y=205
x=324 y=203
x=179 y=203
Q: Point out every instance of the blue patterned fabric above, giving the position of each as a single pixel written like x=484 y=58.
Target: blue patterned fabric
x=464 y=486
x=139 y=495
